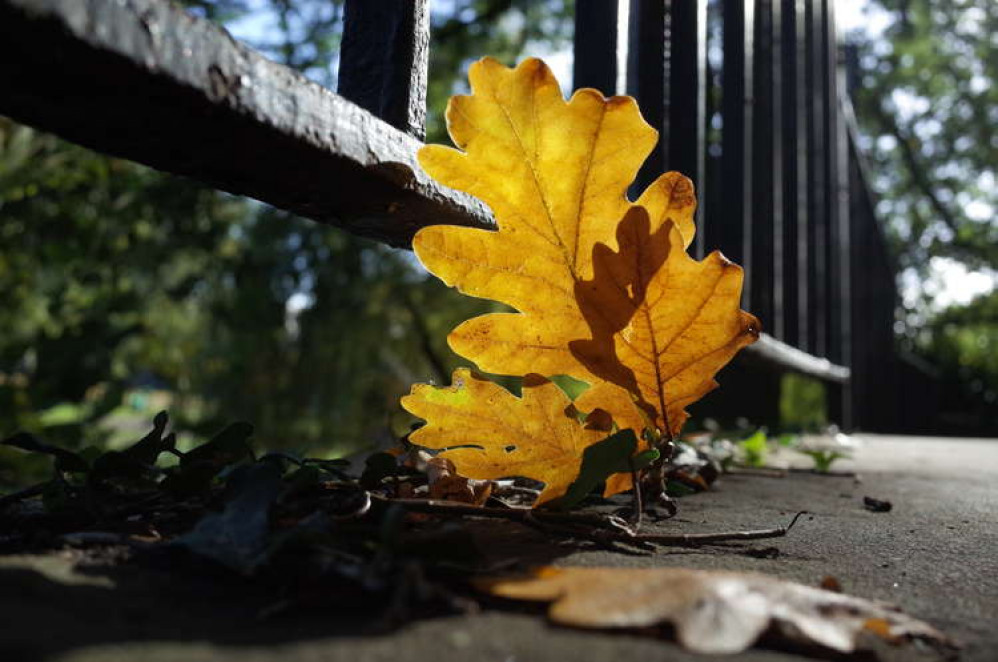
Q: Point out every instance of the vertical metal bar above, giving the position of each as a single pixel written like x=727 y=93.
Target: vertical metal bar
x=713 y=204
x=763 y=180
x=688 y=136
x=829 y=53
x=788 y=149
x=595 y=47
x=778 y=328
x=735 y=236
x=839 y=400
x=817 y=103
x=646 y=78
x=842 y=238
x=800 y=111
x=686 y=91
x=383 y=60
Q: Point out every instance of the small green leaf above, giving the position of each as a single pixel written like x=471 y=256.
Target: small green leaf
x=615 y=454
x=788 y=439
x=755 y=449
x=823 y=459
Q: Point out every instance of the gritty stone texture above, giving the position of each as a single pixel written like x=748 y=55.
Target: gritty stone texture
x=933 y=554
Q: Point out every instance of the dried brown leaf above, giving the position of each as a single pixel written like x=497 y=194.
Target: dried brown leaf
x=712 y=611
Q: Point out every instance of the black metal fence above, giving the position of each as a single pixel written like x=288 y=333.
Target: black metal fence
x=748 y=96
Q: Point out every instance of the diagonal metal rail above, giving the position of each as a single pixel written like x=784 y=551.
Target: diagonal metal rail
x=144 y=80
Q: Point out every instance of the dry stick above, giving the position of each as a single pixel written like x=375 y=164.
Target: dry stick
x=692 y=539
x=438 y=507
x=639 y=506
x=552 y=520
x=666 y=540
x=827 y=474
x=740 y=470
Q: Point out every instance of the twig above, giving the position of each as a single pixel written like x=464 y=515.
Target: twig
x=568 y=531
x=684 y=539
x=639 y=506
x=757 y=471
x=693 y=539
x=606 y=537
x=100 y=538
x=607 y=529
x=435 y=506
x=828 y=474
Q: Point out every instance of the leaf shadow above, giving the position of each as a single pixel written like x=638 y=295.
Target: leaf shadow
x=615 y=294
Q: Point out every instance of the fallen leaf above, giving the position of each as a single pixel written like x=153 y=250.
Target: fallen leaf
x=237 y=536
x=488 y=433
x=712 y=611
x=445 y=482
x=662 y=323
x=555 y=174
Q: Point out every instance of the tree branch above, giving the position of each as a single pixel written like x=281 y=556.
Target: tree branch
x=915 y=168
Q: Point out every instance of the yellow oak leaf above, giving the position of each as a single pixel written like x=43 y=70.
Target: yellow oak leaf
x=662 y=324
x=555 y=174
x=489 y=433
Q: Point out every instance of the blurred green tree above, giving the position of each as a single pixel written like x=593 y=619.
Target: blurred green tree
x=927 y=99
x=926 y=96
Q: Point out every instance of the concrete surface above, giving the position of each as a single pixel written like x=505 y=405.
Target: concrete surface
x=935 y=554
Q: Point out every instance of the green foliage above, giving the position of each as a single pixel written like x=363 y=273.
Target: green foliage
x=755 y=448
x=823 y=459
x=927 y=99
x=95 y=251
x=802 y=403
x=963 y=342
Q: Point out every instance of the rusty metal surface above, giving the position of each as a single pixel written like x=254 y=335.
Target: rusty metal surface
x=143 y=80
